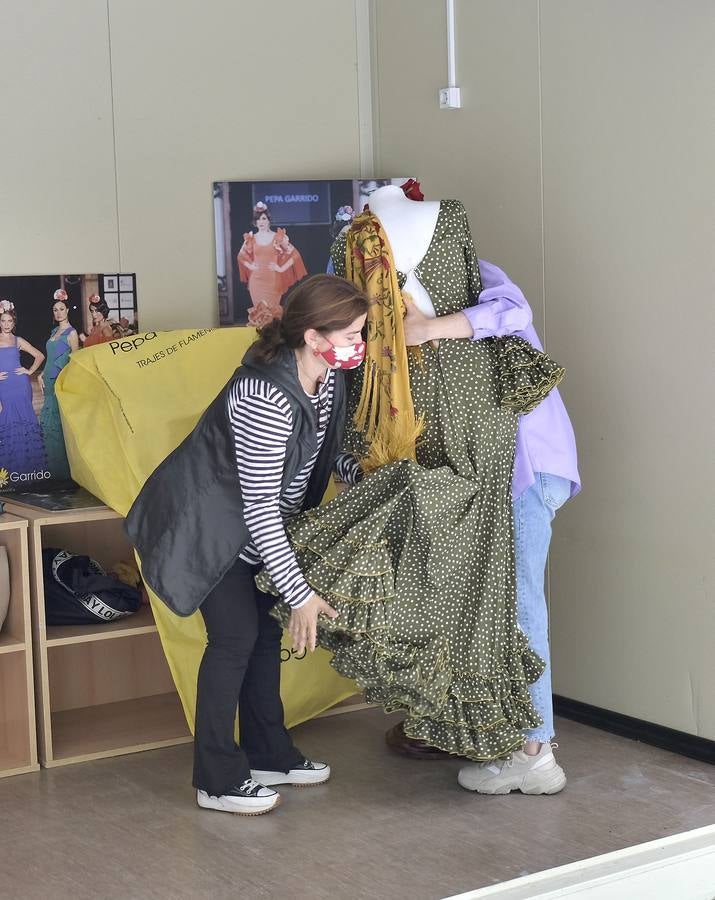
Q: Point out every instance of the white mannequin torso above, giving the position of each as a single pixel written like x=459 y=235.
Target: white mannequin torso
x=409 y=226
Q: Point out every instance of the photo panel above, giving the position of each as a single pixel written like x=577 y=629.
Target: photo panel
x=270 y=234
x=44 y=319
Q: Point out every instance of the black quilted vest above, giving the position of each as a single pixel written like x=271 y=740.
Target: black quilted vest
x=187 y=522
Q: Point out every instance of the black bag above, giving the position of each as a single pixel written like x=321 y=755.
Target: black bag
x=78 y=592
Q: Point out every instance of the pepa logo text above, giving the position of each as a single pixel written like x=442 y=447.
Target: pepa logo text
x=133 y=344
x=7 y=478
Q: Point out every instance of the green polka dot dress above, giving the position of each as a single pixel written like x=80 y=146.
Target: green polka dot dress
x=418 y=558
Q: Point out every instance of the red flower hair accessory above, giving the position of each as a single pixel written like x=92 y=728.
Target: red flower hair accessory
x=412 y=190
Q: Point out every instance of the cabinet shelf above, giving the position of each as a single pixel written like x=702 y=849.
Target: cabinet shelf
x=104 y=689
x=112 y=729
x=9 y=644
x=18 y=736
x=141 y=622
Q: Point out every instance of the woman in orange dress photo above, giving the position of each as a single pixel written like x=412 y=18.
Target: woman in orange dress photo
x=102 y=329
x=268 y=264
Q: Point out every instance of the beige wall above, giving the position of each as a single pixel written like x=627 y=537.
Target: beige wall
x=629 y=184
x=192 y=92
x=486 y=154
x=58 y=208
x=604 y=109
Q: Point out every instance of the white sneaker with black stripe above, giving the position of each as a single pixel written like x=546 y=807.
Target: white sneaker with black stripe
x=248 y=799
x=309 y=773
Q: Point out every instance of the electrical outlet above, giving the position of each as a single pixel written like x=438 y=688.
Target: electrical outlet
x=450 y=98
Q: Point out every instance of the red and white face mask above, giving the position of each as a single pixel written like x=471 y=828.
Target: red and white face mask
x=343 y=357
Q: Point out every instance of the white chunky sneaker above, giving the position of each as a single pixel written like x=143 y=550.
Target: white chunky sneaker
x=248 y=799
x=539 y=774
x=308 y=773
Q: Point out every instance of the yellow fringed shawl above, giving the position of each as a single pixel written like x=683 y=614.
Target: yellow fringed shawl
x=385 y=414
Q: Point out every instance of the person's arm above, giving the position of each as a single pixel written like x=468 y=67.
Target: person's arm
x=347 y=469
x=287 y=265
x=73 y=341
x=246 y=251
x=501 y=309
x=245 y=260
x=420 y=328
x=36 y=354
x=261 y=422
x=282 y=268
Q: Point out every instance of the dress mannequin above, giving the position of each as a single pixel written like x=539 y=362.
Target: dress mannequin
x=452 y=604
x=409 y=227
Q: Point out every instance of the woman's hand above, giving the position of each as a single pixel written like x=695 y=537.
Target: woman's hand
x=303 y=623
x=274 y=267
x=3 y=375
x=251 y=266
x=41 y=382
x=419 y=328
x=21 y=370
x=417 y=325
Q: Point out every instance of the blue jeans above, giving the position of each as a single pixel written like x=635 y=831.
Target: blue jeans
x=534 y=511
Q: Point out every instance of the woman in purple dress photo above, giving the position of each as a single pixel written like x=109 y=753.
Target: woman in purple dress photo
x=21 y=449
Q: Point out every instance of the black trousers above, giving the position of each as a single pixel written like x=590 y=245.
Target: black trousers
x=240 y=668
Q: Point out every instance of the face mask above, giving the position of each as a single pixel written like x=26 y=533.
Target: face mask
x=344 y=357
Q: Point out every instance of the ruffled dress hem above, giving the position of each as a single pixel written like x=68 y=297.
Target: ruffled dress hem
x=476 y=715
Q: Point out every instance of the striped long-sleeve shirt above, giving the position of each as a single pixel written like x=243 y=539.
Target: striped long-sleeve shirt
x=262 y=420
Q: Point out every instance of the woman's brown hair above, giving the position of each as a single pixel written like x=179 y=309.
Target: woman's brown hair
x=323 y=302
x=257 y=213
x=99 y=305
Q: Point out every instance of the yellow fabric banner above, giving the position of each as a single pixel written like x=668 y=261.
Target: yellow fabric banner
x=125 y=406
